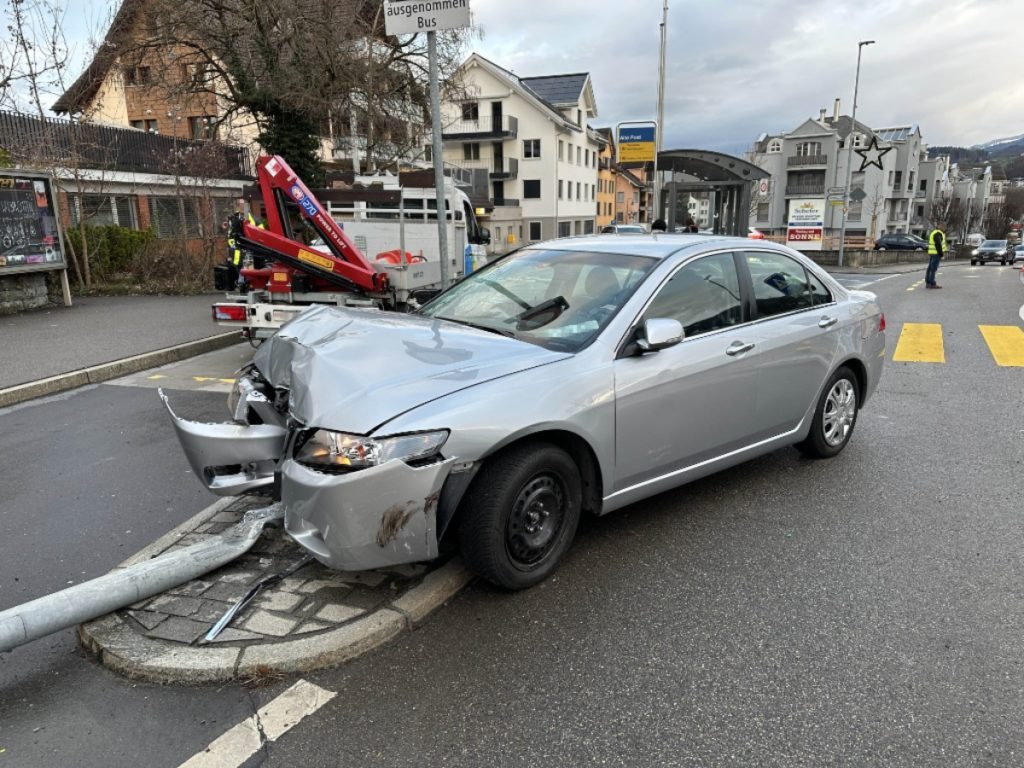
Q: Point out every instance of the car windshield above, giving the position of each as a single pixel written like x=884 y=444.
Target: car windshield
x=994 y=244
x=558 y=300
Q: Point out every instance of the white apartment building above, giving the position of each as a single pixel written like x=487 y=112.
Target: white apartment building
x=895 y=188
x=530 y=137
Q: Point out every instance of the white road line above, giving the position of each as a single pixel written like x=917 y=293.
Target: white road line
x=1022 y=313
x=268 y=724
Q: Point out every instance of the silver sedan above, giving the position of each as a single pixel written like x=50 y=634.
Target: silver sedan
x=578 y=375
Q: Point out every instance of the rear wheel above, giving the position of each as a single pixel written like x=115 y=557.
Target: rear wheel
x=520 y=515
x=973 y=262
x=834 y=418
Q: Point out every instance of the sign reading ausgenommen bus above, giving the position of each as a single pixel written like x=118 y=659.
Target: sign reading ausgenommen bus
x=407 y=17
x=30 y=236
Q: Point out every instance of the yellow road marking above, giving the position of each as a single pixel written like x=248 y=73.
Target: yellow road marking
x=920 y=343
x=1006 y=343
x=918 y=284
x=156 y=376
x=204 y=379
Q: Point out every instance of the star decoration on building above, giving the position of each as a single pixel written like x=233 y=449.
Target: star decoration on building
x=872 y=155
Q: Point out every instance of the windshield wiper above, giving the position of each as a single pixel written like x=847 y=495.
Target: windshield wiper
x=479 y=326
x=555 y=306
x=506 y=292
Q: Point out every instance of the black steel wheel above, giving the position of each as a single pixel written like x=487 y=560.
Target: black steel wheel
x=520 y=515
x=834 y=417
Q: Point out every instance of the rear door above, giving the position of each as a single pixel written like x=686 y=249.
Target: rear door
x=797 y=333
x=693 y=401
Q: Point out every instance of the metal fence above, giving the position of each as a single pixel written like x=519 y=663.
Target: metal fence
x=41 y=141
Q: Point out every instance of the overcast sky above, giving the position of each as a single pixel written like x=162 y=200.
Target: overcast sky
x=739 y=68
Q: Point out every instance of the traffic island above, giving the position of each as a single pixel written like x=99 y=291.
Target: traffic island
x=312 y=619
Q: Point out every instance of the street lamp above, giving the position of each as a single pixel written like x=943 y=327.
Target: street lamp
x=661 y=113
x=849 y=153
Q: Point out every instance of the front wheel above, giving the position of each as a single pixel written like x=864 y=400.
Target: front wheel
x=520 y=515
x=834 y=417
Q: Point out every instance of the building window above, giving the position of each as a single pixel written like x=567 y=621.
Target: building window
x=593 y=192
x=808 y=149
x=202 y=127
x=560 y=196
x=774 y=146
x=428 y=153
x=531 y=148
x=561 y=150
x=531 y=189
x=470 y=151
x=579 y=117
x=569 y=157
x=564 y=228
x=138 y=76
x=858 y=140
x=577 y=227
x=568 y=190
x=470 y=111
x=145 y=125
x=762 y=211
x=174 y=217
x=535 y=233
x=620 y=197
x=588 y=227
x=579 y=154
x=586 y=157
x=577 y=190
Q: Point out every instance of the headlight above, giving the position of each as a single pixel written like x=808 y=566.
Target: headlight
x=339 y=451
x=974 y=252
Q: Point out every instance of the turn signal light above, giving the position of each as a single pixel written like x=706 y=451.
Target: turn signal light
x=232 y=313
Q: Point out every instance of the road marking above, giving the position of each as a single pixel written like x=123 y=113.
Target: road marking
x=920 y=343
x=156 y=376
x=204 y=379
x=1006 y=343
x=268 y=724
x=918 y=284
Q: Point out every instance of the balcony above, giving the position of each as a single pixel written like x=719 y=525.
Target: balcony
x=506 y=202
x=805 y=160
x=504 y=170
x=921 y=194
x=482 y=129
x=814 y=188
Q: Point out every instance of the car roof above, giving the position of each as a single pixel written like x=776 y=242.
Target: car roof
x=658 y=246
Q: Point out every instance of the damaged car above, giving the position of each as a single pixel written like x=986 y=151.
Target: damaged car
x=570 y=377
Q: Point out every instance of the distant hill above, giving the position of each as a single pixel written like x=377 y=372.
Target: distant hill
x=960 y=154
x=1011 y=147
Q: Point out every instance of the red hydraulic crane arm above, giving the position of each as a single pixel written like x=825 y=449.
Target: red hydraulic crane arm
x=278 y=182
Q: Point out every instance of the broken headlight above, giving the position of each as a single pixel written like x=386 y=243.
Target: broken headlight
x=339 y=451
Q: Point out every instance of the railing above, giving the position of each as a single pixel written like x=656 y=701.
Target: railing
x=49 y=141
x=921 y=193
x=483 y=128
x=508 y=169
x=807 y=160
x=506 y=202
x=818 y=188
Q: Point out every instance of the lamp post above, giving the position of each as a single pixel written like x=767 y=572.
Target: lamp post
x=661 y=112
x=849 y=153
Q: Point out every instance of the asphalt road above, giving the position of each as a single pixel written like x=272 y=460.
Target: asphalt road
x=862 y=611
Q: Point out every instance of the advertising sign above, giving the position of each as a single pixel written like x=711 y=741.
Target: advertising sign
x=408 y=17
x=806 y=224
x=29 y=231
x=636 y=144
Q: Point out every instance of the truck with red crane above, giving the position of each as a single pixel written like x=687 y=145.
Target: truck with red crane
x=299 y=254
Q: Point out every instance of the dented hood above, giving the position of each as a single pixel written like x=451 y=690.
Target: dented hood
x=354 y=369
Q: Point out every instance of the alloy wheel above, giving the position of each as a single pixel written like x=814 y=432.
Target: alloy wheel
x=840 y=412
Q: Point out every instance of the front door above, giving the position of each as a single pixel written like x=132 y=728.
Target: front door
x=696 y=400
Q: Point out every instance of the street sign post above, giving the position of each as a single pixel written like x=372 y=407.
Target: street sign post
x=763 y=187
x=410 y=17
x=636 y=142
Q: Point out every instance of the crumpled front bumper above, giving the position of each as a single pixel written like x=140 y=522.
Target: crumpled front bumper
x=371 y=518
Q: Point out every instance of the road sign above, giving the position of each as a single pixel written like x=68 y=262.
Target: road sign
x=836 y=203
x=636 y=143
x=762 y=188
x=858 y=194
x=836 y=190
x=408 y=17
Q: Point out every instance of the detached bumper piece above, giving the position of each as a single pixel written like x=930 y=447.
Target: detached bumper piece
x=230 y=459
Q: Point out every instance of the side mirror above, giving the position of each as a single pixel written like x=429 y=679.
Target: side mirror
x=485 y=236
x=659 y=333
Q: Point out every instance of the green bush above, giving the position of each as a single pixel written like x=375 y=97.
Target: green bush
x=112 y=249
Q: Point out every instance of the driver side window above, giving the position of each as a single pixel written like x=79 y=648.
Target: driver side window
x=703 y=295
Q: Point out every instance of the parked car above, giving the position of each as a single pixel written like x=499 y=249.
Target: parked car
x=1018 y=254
x=623 y=229
x=990 y=250
x=900 y=242
x=755 y=234
x=577 y=375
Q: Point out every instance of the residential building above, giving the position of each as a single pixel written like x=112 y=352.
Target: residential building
x=529 y=140
x=607 y=171
x=631 y=197
x=894 y=186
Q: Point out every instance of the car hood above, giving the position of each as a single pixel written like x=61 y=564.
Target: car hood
x=354 y=369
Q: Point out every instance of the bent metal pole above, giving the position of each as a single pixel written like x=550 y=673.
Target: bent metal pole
x=118 y=589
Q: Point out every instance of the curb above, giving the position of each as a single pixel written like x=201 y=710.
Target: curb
x=96 y=374
x=123 y=650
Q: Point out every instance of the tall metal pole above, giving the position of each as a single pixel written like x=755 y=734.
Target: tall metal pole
x=661 y=111
x=849 y=154
x=438 y=152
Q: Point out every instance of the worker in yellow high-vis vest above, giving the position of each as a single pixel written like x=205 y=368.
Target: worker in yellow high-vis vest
x=936 y=248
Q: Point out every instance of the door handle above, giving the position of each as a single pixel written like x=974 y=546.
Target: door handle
x=827 y=322
x=738 y=348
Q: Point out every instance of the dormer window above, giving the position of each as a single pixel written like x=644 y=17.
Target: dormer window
x=858 y=140
x=774 y=146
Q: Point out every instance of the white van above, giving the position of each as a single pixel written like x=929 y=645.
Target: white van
x=974 y=239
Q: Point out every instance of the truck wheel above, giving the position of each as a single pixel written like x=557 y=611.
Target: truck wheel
x=834 y=418
x=520 y=515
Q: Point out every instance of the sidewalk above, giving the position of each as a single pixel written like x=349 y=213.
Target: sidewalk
x=96 y=330
x=889 y=269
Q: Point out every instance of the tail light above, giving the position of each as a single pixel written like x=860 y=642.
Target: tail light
x=232 y=313
x=881 y=322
